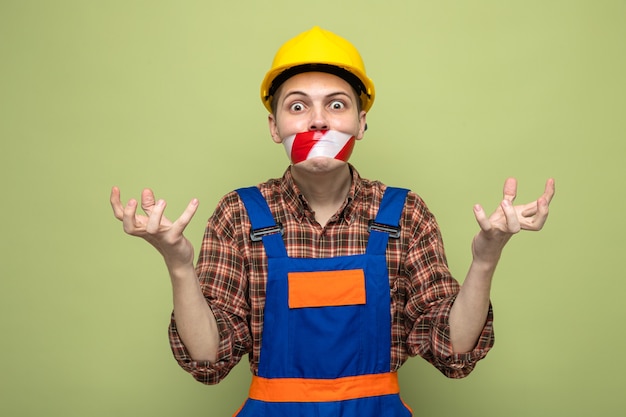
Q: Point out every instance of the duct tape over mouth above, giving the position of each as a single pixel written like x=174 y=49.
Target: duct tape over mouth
x=319 y=143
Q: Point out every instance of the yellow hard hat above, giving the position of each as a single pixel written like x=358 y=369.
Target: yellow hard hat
x=318 y=50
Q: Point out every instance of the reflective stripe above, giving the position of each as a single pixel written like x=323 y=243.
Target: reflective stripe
x=326 y=288
x=319 y=390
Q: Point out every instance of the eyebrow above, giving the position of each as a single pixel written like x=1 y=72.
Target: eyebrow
x=302 y=93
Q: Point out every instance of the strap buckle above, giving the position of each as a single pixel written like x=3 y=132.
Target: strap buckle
x=393 y=231
x=256 y=235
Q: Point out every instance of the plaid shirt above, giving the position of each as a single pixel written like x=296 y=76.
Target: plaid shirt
x=233 y=271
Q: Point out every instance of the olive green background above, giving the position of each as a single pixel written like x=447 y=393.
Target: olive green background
x=164 y=94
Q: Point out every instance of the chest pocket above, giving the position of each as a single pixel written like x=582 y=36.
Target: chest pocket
x=326 y=288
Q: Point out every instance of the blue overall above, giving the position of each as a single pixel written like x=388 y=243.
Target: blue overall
x=325 y=360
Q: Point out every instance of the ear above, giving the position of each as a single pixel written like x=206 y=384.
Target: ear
x=271 y=120
x=362 y=125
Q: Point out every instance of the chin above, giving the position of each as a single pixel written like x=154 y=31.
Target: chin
x=320 y=164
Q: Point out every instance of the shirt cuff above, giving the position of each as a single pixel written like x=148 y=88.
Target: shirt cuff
x=205 y=371
x=459 y=365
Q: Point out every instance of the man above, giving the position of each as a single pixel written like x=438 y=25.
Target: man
x=327 y=280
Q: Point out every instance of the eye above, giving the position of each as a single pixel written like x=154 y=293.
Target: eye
x=296 y=107
x=337 y=105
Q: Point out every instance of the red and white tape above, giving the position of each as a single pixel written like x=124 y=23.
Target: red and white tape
x=319 y=143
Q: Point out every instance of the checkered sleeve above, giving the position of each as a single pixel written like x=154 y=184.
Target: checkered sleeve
x=223 y=280
x=432 y=291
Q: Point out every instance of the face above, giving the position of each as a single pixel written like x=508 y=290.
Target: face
x=314 y=101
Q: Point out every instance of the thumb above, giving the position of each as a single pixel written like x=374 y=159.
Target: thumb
x=181 y=223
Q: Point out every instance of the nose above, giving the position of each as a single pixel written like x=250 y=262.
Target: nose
x=318 y=120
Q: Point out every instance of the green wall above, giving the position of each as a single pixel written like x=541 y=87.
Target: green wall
x=165 y=94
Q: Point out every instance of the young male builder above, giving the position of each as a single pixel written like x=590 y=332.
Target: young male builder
x=328 y=281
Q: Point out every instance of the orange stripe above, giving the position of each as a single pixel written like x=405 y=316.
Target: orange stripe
x=326 y=288
x=320 y=390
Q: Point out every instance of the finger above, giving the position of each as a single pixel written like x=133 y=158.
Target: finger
x=481 y=218
x=512 y=222
x=510 y=189
x=147 y=200
x=542 y=213
x=116 y=204
x=530 y=209
x=156 y=216
x=549 y=191
x=533 y=208
x=181 y=223
x=129 y=219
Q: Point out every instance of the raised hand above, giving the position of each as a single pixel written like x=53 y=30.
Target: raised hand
x=507 y=220
x=166 y=236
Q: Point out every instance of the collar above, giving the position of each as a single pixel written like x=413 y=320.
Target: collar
x=297 y=205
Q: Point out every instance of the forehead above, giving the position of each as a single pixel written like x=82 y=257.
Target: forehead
x=317 y=83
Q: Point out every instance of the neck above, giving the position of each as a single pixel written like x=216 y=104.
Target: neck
x=325 y=191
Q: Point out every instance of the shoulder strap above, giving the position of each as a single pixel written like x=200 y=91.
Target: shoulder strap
x=263 y=225
x=387 y=222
